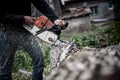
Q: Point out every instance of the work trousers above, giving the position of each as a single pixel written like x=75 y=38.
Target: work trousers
x=11 y=37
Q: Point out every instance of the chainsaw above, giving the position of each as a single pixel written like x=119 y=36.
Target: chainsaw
x=44 y=29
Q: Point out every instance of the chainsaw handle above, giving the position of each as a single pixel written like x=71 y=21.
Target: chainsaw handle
x=62 y=27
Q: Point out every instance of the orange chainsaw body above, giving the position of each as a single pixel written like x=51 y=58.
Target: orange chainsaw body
x=42 y=21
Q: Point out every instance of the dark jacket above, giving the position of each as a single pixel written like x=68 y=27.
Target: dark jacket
x=13 y=11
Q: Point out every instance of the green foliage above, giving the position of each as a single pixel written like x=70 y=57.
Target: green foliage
x=86 y=39
x=46 y=55
x=20 y=76
x=63 y=36
x=113 y=33
x=99 y=37
x=22 y=60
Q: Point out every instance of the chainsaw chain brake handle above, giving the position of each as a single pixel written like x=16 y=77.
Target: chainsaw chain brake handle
x=43 y=22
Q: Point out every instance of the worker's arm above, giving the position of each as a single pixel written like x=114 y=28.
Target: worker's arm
x=44 y=7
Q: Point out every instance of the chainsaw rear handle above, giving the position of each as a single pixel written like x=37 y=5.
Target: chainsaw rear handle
x=64 y=26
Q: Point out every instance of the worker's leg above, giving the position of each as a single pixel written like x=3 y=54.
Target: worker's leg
x=31 y=45
x=7 y=50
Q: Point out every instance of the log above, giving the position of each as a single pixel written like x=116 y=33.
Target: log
x=90 y=64
x=59 y=53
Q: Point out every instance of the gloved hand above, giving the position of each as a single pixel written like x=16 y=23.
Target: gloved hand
x=61 y=26
x=59 y=22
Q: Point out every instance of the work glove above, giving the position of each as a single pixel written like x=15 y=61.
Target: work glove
x=59 y=22
x=60 y=25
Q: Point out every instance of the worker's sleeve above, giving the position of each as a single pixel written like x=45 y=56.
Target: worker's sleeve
x=11 y=19
x=46 y=10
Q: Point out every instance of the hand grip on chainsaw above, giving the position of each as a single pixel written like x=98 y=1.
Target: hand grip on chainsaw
x=64 y=26
x=43 y=22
